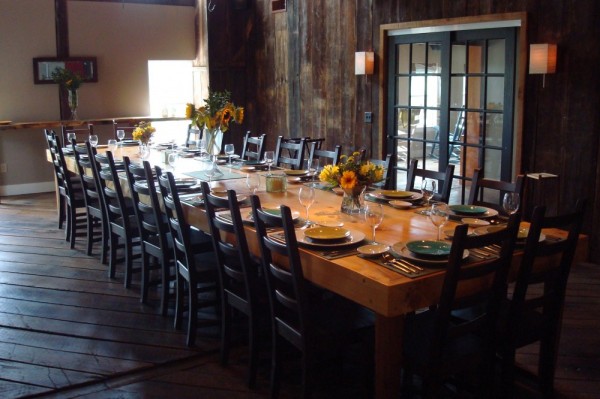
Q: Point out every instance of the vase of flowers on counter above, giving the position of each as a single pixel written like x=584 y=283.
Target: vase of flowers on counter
x=143 y=133
x=214 y=118
x=70 y=81
x=353 y=175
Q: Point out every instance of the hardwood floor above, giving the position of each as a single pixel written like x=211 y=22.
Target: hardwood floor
x=67 y=330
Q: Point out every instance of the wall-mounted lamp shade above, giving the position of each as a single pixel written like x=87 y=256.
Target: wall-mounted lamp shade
x=364 y=62
x=542 y=58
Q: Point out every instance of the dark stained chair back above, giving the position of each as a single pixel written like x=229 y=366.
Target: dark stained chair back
x=254 y=148
x=289 y=152
x=388 y=169
x=439 y=344
x=536 y=306
x=489 y=192
x=444 y=180
x=325 y=157
x=81 y=132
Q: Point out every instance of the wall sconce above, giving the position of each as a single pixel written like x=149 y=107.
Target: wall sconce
x=542 y=60
x=364 y=62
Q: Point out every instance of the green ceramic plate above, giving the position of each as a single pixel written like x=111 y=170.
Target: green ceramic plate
x=468 y=209
x=429 y=248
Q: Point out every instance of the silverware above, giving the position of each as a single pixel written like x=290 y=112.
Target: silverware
x=390 y=260
x=410 y=265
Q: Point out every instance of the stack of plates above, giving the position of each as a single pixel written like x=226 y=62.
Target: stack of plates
x=391 y=195
x=473 y=211
x=325 y=236
x=425 y=252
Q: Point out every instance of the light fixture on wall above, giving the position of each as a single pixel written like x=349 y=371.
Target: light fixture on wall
x=364 y=62
x=542 y=60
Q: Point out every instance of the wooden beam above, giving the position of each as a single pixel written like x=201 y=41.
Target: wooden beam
x=186 y=3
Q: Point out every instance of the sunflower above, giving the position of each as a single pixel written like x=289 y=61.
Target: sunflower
x=348 y=179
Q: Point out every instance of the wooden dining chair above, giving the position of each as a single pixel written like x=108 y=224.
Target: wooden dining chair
x=61 y=202
x=254 y=147
x=69 y=191
x=194 y=134
x=241 y=285
x=127 y=126
x=289 y=152
x=122 y=224
x=156 y=245
x=437 y=343
x=97 y=225
x=196 y=264
x=324 y=156
x=81 y=132
x=444 y=180
x=489 y=192
x=318 y=323
x=534 y=311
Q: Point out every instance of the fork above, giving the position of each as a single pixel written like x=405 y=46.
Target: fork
x=390 y=260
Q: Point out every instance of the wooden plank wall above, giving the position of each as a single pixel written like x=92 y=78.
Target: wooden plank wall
x=296 y=77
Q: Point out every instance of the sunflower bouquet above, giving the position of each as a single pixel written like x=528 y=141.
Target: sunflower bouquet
x=143 y=132
x=351 y=172
x=217 y=112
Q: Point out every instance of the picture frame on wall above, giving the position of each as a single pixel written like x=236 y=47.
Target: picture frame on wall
x=43 y=67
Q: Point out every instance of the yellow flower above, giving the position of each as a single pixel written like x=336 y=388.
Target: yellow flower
x=218 y=112
x=348 y=179
x=238 y=115
x=189 y=111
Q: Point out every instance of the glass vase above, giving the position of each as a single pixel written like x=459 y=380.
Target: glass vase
x=73 y=103
x=214 y=140
x=353 y=199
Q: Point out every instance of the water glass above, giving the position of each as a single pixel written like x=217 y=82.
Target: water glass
x=172 y=159
x=428 y=188
x=312 y=166
x=93 y=140
x=201 y=144
x=306 y=196
x=112 y=145
x=70 y=137
x=229 y=150
x=253 y=182
x=269 y=158
x=373 y=214
x=439 y=215
x=120 y=134
x=511 y=202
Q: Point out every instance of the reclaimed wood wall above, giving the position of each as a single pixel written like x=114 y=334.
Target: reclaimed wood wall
x=294 y=72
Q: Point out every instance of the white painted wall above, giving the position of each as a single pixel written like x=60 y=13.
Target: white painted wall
x=122 y=37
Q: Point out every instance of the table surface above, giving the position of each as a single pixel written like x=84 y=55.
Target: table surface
x=389 y=294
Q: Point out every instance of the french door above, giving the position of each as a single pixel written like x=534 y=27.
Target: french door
x=451 y=100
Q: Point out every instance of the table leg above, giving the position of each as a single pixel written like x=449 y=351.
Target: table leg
x=388 y=356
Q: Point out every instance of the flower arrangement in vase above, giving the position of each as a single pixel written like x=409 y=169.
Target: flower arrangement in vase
x=71 y=81
x=353 y=175
x=143 y=132
x=214 y=117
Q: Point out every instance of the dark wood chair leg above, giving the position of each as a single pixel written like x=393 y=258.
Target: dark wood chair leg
x=192 y=317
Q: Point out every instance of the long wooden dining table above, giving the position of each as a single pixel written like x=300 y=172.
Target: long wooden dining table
x=389 y=294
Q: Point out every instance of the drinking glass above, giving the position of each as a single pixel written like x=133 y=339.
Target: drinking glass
x=172 y=159
x=201 y=144
x=511 y=202
x=269 y=158
x=428 y=188
x=71 y=136
x=253 y=182
x=306 y=196
x=229 y=151
x=212 y=170
x=439 y=215
x=120 y=134
x=373 y=214
x=112 y=145
x=145 y=153
x=93 y=140
x=312 y=166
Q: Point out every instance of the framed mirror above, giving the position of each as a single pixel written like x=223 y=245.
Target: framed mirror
x=43 y=67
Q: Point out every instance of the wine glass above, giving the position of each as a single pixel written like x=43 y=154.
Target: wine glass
x=172 y=159
x=112 y=145
x=93 y=140
x=253 y=182
x=428 y=188
x=511 y=202
x=269 y=158
x=71 y=136
x=373 y=214
x=212 y=170
x=306 y=196
x=201 y=144
x=229 y=150
x=439 y=215
x=120 y=134
x=311 y=166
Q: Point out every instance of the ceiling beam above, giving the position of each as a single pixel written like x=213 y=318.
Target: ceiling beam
x=187 y=3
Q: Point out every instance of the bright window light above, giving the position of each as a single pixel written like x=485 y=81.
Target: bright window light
x=170 y=89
